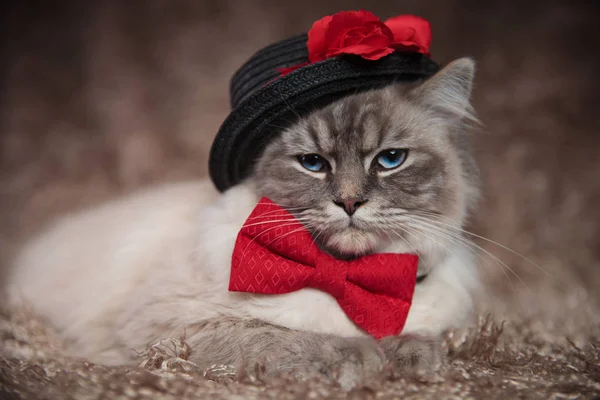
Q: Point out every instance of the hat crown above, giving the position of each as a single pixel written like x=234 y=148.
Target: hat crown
x=262 y=67
x=264 y=102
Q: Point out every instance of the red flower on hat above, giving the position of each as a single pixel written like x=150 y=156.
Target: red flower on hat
x=349 y=32
x=411 y=33
x=363 y=34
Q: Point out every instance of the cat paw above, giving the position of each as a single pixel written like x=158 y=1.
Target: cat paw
x=413 y=351
x=351 y=362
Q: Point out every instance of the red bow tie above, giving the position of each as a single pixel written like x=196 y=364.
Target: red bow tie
x=275 y=254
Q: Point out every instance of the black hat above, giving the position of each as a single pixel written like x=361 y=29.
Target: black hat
x=267 y=95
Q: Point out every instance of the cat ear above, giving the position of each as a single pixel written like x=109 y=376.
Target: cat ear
x=449 y=90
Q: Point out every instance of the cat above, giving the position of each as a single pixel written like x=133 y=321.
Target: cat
x=387 y=170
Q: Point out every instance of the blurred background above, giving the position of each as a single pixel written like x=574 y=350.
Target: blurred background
x=101 y=98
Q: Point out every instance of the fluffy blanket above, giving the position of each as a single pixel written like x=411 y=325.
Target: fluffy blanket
x=487 y=362
x=101 y=99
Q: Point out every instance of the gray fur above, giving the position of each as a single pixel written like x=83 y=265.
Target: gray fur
x=352 y=362
x=430 y=120
x=246 y=343
x=441 y=178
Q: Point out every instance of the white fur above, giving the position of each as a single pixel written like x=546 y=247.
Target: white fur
x=116 y=277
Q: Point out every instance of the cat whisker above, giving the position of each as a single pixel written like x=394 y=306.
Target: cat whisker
x=281 y=211
x=266 y=231
x=284 y=235
x=318 y=232
x=284 y=207
x=473 y=244
x=492 y=242
x=289 y=223
x=434 y=217
x=432 y=239
x=408 y=244
x=271 y=215
x=276 y=214
x=428 y=237
x=461 y=240
x=499 y=263
x=291 y=220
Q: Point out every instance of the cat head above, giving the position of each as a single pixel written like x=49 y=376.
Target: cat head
x=373 y=171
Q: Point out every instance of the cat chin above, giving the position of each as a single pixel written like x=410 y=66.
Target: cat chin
x=352 y=243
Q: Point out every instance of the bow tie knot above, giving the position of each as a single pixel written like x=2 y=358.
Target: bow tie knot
x=330 y=275
x=275 y=254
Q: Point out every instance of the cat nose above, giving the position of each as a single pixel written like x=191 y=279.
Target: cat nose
x=350 y=205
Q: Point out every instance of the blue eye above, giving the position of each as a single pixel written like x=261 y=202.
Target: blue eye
x=313 y=162
x=390 y=159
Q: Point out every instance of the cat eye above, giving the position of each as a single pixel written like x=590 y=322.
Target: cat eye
x=390 y=159
x=313 y=162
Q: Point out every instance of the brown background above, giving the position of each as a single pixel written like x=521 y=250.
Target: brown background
x=98 y=100
x=101 y=98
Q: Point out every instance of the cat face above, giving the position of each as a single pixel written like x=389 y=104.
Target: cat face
x=375 y=169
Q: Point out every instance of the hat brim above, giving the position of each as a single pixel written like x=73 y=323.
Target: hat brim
x=271 y=108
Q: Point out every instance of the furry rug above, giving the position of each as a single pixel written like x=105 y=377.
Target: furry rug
x=99 y=100
x=486 y=362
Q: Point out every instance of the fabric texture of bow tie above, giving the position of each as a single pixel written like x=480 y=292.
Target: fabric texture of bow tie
x=275 y=254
